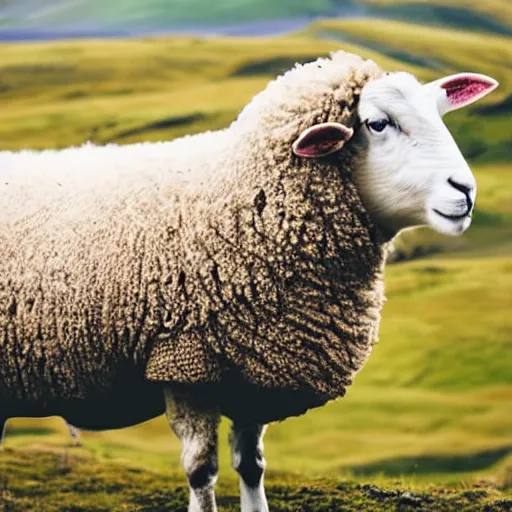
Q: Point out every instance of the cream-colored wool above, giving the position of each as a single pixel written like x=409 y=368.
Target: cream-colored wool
x=219 y=261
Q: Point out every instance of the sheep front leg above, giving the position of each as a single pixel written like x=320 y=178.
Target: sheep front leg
x=196 y=424
x=247 y=455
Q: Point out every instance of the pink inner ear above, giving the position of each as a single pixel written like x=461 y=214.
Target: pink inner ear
x=321 y=140
x=464 y=89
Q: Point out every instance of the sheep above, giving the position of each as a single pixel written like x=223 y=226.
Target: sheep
x=236 y=272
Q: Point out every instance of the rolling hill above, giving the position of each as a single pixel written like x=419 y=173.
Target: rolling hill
x=199 y=15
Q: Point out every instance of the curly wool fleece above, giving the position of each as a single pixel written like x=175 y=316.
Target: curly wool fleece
x=220 y=262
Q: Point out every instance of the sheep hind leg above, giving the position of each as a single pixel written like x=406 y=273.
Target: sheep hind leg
x=74 y=433
x=196 y=423
x=3 y=429
x=247 y=456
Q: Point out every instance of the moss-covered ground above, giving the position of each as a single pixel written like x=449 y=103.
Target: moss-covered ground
x=57 y=481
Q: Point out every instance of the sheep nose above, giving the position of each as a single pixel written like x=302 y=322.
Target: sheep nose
x=465 y=189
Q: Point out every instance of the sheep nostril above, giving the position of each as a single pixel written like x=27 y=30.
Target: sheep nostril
x=465 y=189
x=470 y=203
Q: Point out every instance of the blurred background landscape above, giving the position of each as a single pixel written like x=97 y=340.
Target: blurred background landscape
x=432 y=410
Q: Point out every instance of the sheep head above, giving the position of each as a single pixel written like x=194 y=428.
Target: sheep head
x=411 y=171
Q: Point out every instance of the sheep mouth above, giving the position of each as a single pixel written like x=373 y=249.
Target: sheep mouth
x=453 y=217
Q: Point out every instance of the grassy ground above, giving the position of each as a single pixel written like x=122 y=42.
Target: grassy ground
x=430 y=414
x=51 y=482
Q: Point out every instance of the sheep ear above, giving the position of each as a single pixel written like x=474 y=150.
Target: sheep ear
x=321 y=140
x=457 y=91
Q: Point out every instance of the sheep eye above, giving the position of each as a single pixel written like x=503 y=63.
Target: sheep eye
x=379 y=125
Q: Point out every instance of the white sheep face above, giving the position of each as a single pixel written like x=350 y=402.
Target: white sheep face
x=412 y=172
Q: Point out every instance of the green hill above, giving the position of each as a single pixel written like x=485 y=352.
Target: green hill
x=493 y=15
